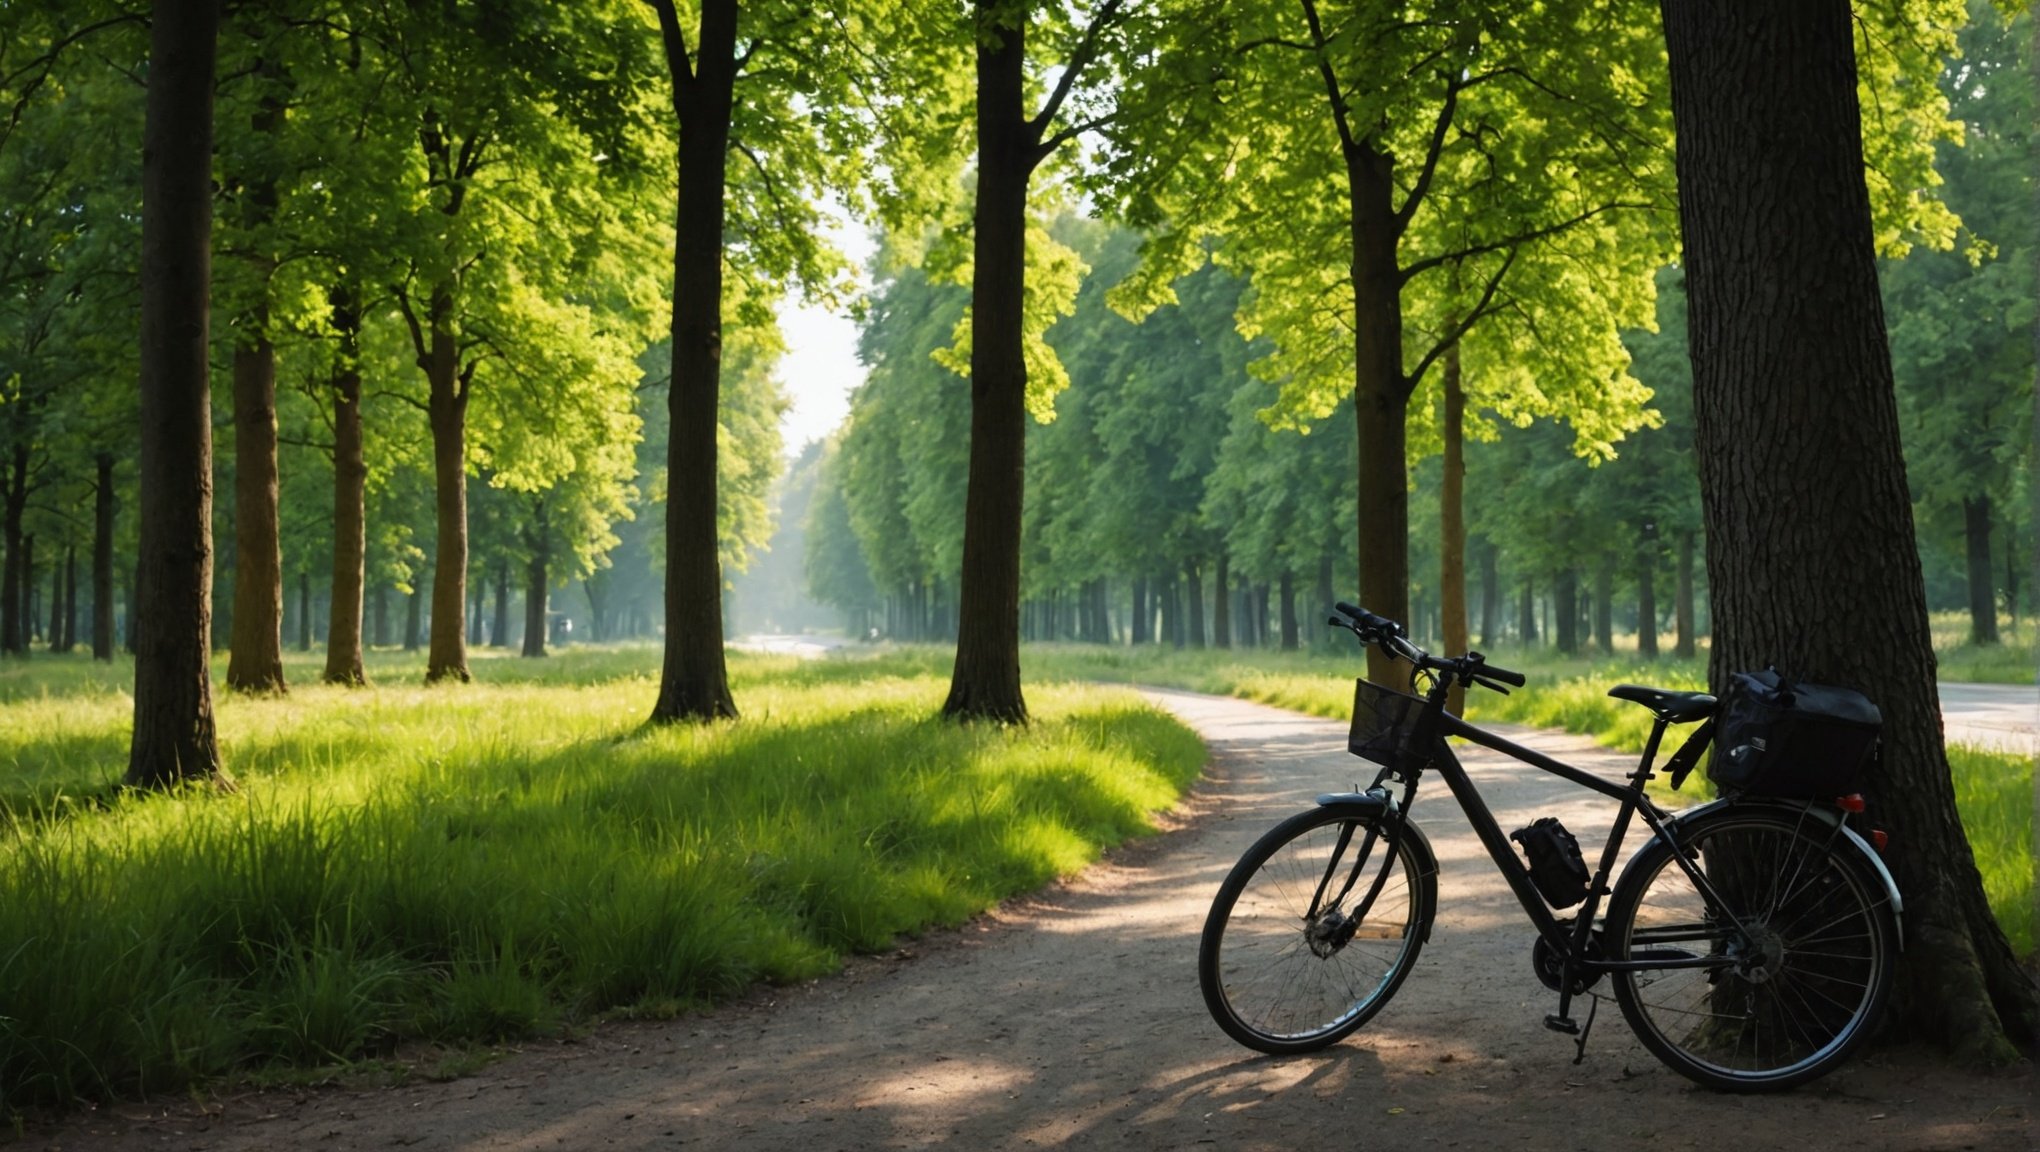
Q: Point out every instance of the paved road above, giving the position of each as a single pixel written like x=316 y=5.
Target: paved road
x=1995 y=715
x=1072 y=1019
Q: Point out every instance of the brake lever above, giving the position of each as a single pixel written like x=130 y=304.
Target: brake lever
x=1488 y=684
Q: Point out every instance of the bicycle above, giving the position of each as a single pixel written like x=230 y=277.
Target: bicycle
x=1750 y=942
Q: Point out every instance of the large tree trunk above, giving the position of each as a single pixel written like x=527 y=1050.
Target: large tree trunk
x=446 y=406
x=1686 y=642
x=1380 y=394
x=350 y=500
x=13 y=581
x=102 y=558
x=1983 y=627
x=693 y=677
x=986 y=682
x=1452 y=525
x=1792 y=387
x=173 y=735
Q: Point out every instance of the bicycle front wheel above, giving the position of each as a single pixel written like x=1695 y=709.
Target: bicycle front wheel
x=1774 y=979
x=1295 y=955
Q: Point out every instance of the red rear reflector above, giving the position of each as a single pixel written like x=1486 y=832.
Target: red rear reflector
x=1879 y=839
x=1853 y=802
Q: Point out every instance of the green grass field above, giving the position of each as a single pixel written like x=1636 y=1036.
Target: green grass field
x=466 y=865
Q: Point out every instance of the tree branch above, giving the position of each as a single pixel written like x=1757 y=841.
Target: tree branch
x=1324 y=63
x=675 y=40
x=1434 y=149
x=1087 y=48
x=1474 y=316
x=1509 y=243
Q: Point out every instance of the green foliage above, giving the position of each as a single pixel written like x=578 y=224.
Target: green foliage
x=479 y=866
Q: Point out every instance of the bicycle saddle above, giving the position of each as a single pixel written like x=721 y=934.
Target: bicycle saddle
x=1671 y=707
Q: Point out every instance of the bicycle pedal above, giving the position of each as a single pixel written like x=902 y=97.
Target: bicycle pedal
x=1565 y=1024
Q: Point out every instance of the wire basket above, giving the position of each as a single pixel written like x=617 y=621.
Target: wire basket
x=1384 y=724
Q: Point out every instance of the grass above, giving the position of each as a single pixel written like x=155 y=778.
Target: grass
x=1993 y=789
x=471 y=865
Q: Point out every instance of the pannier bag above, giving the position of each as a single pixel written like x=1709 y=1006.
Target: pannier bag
x=1774 y=737
x=1556 y=867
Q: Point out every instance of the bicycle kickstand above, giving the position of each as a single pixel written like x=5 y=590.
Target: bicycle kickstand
x=1580 y=1045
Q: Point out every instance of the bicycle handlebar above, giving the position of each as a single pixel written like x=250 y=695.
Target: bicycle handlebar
x=1471 y=668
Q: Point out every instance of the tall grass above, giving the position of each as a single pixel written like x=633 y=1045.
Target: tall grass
x=477 y=863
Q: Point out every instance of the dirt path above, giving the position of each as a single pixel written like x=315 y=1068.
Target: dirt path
x=1073 y=1019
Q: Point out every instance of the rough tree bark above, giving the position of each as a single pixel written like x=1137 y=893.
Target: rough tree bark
x=1792 y=389
x=174 y=738
x=350 y=496
x=102 y=557
x=693 y=678
x=446 y=410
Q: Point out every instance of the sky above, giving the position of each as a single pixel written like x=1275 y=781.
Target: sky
x=820 y=367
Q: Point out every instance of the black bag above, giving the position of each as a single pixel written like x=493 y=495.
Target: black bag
x=1777 y=738
x=1556 y=866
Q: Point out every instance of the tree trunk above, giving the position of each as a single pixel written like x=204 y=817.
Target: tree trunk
x=986 y=682
x=1326 y=597
x=304 y=641
x=13 y=581
x=65 y=630
x=174 y=738
x=499 y=626
x=1193 y=580
x=446 y=406
x=102 y=559
x=1452 y=525
x=350 y=500
x=1380 y=393
x=1646 y=600
x=1566 y=596
x=1290 y=638
x=414 y=612
x=693 y=677
x=31 y=623
x=1682 y=607
x=1983 y=627
x=1526 y=617
x=255 y=649
x=381 y=615
x=476 y=638
x=1221 y=606
x=1604 y=602
x=1792 y=387
x=536 y=583
x=1143 y=622
x=1490 y=596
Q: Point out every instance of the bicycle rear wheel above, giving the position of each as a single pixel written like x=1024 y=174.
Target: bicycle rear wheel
x=1781 y=999
x=1290 y=961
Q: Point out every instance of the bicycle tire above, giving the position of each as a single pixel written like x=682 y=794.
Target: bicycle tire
x=1806 y=986
x=1262 y=980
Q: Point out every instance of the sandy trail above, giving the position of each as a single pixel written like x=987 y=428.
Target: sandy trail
x=1072 y=1018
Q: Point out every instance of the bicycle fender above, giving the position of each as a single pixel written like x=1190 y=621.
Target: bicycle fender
x=1378 y=803
x=1832 y=819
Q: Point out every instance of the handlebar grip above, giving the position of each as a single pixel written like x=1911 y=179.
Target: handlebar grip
x=1368 y=620
x=1516 y=679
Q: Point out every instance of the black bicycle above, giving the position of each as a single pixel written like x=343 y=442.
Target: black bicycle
x=1749 y=942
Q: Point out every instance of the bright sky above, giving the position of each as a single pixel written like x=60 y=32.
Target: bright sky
x=820 y=366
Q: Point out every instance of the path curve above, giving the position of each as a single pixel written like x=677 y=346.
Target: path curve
x=1072 y=1019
